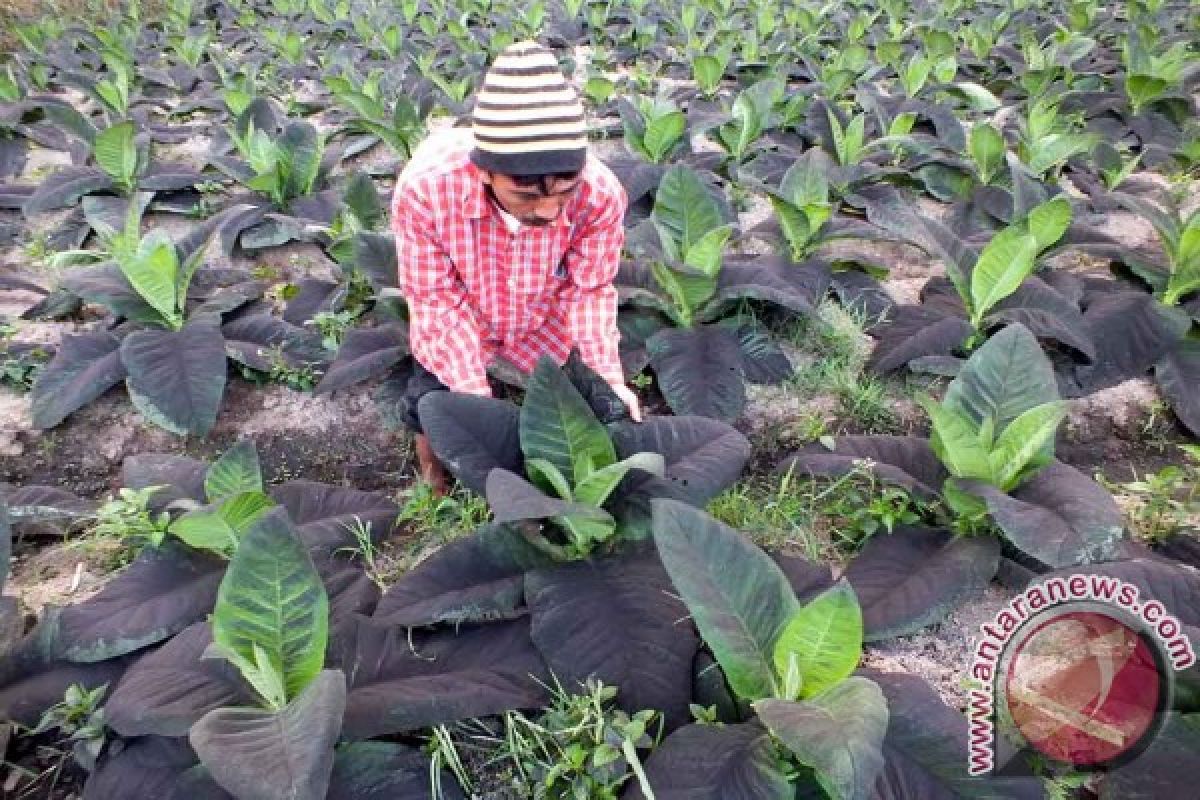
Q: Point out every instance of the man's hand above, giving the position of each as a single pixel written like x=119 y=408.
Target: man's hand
x=630 y=400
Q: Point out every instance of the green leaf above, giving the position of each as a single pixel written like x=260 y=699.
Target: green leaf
x=662 y=133
x=707 y=71
x=235 y=472
x=987 y=149
x=272 y=598
x=1003 y=379
x=793 y=221
x=823 y=641
x=116 y=153
x=804 y=183
x=1185 y=277
x=737 y=595
x=956 y=442
x=1029 y=440
x=839 y=734
x=547 y=477
x=219 y=529
x=684 y=208
x=1005 y=262
x=705 y=255
x=152 y=272
x=1049 y=221
x=595 y=489
x=556 y=423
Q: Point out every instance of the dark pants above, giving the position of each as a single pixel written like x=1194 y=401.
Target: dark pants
x=420 y=383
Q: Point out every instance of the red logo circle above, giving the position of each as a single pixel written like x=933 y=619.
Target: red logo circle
x=1085 y=688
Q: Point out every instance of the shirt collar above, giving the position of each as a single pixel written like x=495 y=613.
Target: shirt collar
x=476 y=204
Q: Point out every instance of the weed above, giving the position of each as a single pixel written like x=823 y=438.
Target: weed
x=444 y=754
x=848 y=509
x=775 y=511
x=835 y=339
x=581 y=746
x=1160 y=503
x=365 y=550
x=123 y=526
x=332 y=326
x=80 y=719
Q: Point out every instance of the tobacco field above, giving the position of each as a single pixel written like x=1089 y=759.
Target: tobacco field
x=910 y=295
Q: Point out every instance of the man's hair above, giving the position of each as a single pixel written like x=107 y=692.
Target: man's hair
x=544 y=182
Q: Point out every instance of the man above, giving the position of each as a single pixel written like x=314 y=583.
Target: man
x=508 y=236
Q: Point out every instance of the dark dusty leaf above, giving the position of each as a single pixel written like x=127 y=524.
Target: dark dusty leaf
x=638 y=178
x=1176 y=586
x=275 y=230
x=13 y=154
x=177 y=378
x=31 y=681
x=105 y=285
x=1178 y=375
x=165 y=691
x=162 y=592
x=763 y=361
x=913 y=332
x=251 y=339
x=85 y=367
x=58 y=304
x=471 y=435
x=398 y=685
x=1131 y=331
x=705 y=762
x=616 y=620
x=1046 y=314
x=30 y=506
x=863 y=295
x=913 y=577
x=512 y=498
x=807 y=578
x=636 y=325
x=385 y=771
x=168 y=177
x=1003 y=379
x=183 y=476
x=313 y=296
x=65 y=187
x=1162 y=770
x=925 y=753
x=324 y=514
x=152 y=768
x=255 y=753
x=738 y=597
x=365 y=353
x=352 y=594
x=5 y=558
x=906 y=461
x=320 y=208
x=472 y=579
x=771 y=279
x=375 y=255
x=699 y=371
x=703 y=456
x=1059 y=516
x=839 y=733
x=227 y=299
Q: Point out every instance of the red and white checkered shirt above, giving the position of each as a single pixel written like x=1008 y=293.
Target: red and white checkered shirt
x=475 y=291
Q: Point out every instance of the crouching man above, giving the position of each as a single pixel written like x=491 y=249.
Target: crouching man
x=508 y=236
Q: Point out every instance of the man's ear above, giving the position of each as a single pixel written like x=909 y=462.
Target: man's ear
x=486 y=177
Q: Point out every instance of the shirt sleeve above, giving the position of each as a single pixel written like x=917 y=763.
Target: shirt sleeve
x=589 y=299
x=444 y=332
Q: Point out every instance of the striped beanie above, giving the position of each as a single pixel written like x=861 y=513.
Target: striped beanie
x=527 y=119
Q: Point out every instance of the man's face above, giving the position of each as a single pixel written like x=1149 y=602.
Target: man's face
x=533 y=200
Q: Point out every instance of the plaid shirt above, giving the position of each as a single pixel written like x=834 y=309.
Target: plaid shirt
x=476 y=291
